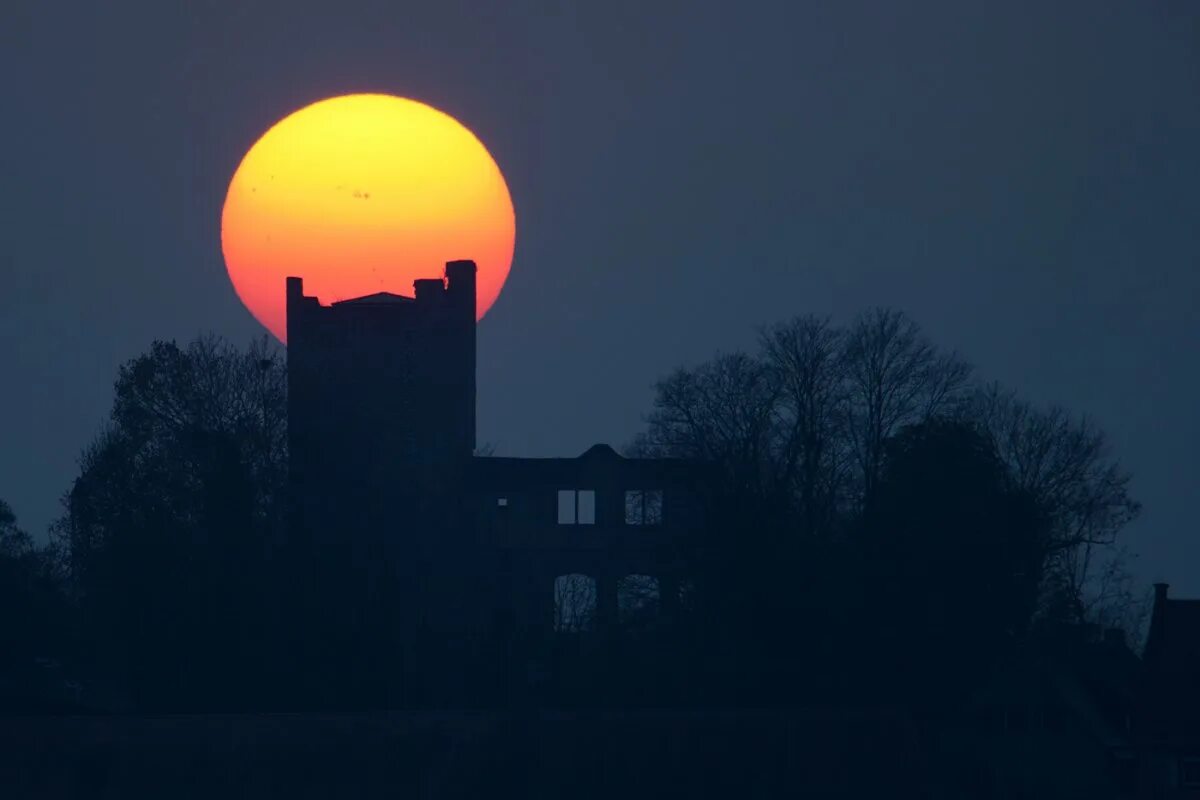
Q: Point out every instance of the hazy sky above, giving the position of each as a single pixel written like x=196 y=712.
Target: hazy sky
x=1021 y=178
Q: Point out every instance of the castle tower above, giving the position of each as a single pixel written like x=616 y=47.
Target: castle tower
x=381 y=431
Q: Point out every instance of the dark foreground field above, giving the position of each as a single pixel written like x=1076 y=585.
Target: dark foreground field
x=727 y=754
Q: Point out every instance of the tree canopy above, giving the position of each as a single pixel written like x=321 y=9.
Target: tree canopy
x=863 y=469
x=170 y=522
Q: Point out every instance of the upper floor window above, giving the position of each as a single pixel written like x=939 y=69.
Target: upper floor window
x=643 y=507
x=576 y=507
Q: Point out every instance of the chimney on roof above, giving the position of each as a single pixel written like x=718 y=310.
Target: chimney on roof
x=1158 y=623
x=460 y=285
x=1160 y=592
x=428 y=290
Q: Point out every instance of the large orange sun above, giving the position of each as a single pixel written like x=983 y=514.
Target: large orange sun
x=361 y=194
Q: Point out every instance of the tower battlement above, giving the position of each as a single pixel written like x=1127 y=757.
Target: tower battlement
x=435 y=302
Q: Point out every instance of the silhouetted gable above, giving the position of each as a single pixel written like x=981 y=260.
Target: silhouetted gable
x=1171 y=688
x=500 y=471
x=1176 y=637
x=600 y=451
x=377 y=299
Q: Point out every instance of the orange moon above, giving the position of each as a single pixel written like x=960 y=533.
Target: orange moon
x=361 y=194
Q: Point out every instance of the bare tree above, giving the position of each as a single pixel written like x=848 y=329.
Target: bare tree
x=894 y=378
x=723 y=412
x=800 y=433
x=1063 y=462
x=804 y=358
x=802 y=426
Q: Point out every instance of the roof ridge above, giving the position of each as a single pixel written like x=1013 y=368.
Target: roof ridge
x=382 y=296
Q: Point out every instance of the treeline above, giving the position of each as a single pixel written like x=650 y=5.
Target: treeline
x=882 y=527
x=166 y=553
x=883 y=524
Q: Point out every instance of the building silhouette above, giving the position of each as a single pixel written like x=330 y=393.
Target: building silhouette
x=1168 y=719
x=433 y=574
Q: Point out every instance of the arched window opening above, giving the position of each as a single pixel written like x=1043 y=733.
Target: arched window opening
x=637 y=597
x=574 y=603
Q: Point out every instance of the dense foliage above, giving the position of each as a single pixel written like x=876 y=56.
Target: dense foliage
x=169 y=527
x=875 y=505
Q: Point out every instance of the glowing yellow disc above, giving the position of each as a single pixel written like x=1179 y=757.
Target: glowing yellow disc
x=361 y=194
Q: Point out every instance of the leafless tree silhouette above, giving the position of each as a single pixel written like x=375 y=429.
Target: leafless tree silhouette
x=800 y=429
x=1064 y=461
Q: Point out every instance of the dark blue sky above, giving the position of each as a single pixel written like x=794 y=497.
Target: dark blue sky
x=1020 y=177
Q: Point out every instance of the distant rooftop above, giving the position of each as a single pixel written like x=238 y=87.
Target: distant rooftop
x=377 y=299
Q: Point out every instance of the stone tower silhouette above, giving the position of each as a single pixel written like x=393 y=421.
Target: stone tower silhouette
x=381 y=431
